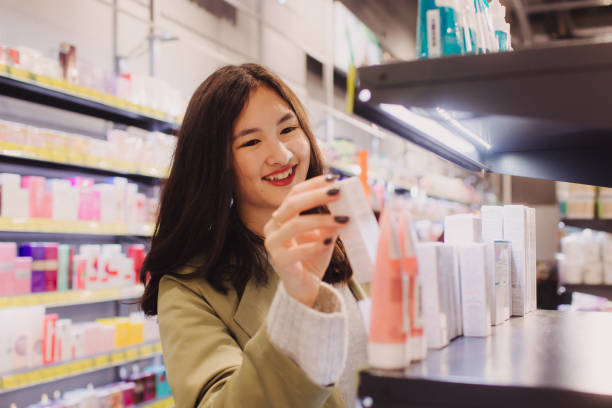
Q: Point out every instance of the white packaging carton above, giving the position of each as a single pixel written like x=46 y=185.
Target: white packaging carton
x=516 y=231
x=462 y=229
x=474 y=290
x=435 y=301
x=502 y=279
x=533 y=279
x=360 y=236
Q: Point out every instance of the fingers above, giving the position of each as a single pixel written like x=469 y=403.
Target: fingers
x=298 y=226
x=303 y=252
x=314 y=183
x=295 y=204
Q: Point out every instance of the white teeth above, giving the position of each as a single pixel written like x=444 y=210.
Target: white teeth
x=280 y=176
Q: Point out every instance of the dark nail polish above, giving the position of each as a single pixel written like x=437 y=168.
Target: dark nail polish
x=333 y=191
x=341 y=219
x=327 y=241
x=331 y=177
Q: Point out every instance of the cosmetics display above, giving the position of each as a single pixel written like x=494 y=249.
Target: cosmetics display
x=139 y=93
x=36 y=267
x=579 y=201
x=32 y=338
x=456 y=27
x=66 y=202
x=134 y=151
x=141 y=387
x=586 y=257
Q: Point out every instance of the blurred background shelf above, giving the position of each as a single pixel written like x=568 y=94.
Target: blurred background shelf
x=26 y=89
x=43 y=226
x=13 y=158
x=72 y=297
x=597 y=290
x=547 y=358
x=594 y=224
x=54 y=372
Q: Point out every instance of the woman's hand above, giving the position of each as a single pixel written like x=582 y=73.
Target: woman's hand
x=300 y=246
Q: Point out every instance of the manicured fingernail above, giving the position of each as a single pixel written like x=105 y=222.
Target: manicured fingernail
x=333 y=191
x=327 y=241
x=341 y=219
x=331 y=177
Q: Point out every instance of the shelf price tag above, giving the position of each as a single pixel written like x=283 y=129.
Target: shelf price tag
x=101 y=361
x=117 y=357
x=146 y=350
x=131 y=354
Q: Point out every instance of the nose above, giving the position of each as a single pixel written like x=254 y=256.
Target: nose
x=278 y=153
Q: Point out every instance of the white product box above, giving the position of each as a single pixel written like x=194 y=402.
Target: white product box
x=591 y=250
x=36 y=322
x=607 y=273
x=15 y=202
x=474 y=290
x=6 y=340
x=360 y=235
x=109 y=202
x=462 y=229
x=606 y=248
x=451 y=266
x=93 y=273
x=503 y=287
x=532 y=260
x=63 y=340
x=492 y=223
x=65 y=201
x=516 y=231
x=571 y=247
x=435 y=290
x=10 y=180
x=593 y=273
x=570 y=272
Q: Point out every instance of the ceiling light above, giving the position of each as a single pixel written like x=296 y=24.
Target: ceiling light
x=429 y=127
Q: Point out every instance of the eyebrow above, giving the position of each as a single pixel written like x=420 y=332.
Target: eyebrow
x=286 y=117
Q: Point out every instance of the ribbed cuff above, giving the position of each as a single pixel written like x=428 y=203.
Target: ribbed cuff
x=315 y=338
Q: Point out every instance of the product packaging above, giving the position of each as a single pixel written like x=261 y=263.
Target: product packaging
x=500 y=26
x=8 y=253
x=38 y=277
x=51 y=265
x=49 y=338
x=22 y=284
x=360 y=235
x=516 y=232
x=462 y=228
x=439 y=31
x=474 y=289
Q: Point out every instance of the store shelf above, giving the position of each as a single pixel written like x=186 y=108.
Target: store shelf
x=46 y=91
x=72 y=297
x=42 y=225
x=594 y=224
x=597 y=290
x=543 y=111
x=160 y=403
x=54 y=372
x=547 y=358
x=21 y=158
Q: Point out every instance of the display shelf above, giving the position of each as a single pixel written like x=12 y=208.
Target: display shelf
x=543 y=111
x=21 y=158
x=54 y=372
x=597 y=290
x=72 y=297
x=160 y=403
x=43 y=225
x=594 y=224
x=56 y=93
x=547 y=358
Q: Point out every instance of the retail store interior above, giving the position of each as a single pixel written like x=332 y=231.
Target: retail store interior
x=484 y=123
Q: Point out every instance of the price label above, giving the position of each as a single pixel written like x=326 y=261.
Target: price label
x=3 y=68
x=117 y=357
x=88 y=364
x=10 y=381
x=146 y=350
x=101 y=361
x=20 y=73
x=158 y=348
x=131 y=354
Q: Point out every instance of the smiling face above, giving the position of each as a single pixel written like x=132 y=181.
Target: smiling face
x=270 y=154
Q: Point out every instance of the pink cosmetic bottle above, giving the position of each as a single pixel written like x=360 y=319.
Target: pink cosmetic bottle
x=8 y=252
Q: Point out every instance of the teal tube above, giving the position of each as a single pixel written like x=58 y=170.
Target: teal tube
x=63 y=266
x=502 y=40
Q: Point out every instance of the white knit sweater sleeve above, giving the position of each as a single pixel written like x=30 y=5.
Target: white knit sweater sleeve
x=315 y=338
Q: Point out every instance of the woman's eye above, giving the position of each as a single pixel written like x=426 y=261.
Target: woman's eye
x=288 y=130
x=251 y=142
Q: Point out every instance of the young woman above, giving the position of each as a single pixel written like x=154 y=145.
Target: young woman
x=253 y=291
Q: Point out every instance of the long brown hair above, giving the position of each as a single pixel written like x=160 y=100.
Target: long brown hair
x=196 y=216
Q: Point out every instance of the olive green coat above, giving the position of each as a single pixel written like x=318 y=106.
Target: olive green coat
x=218 y=354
